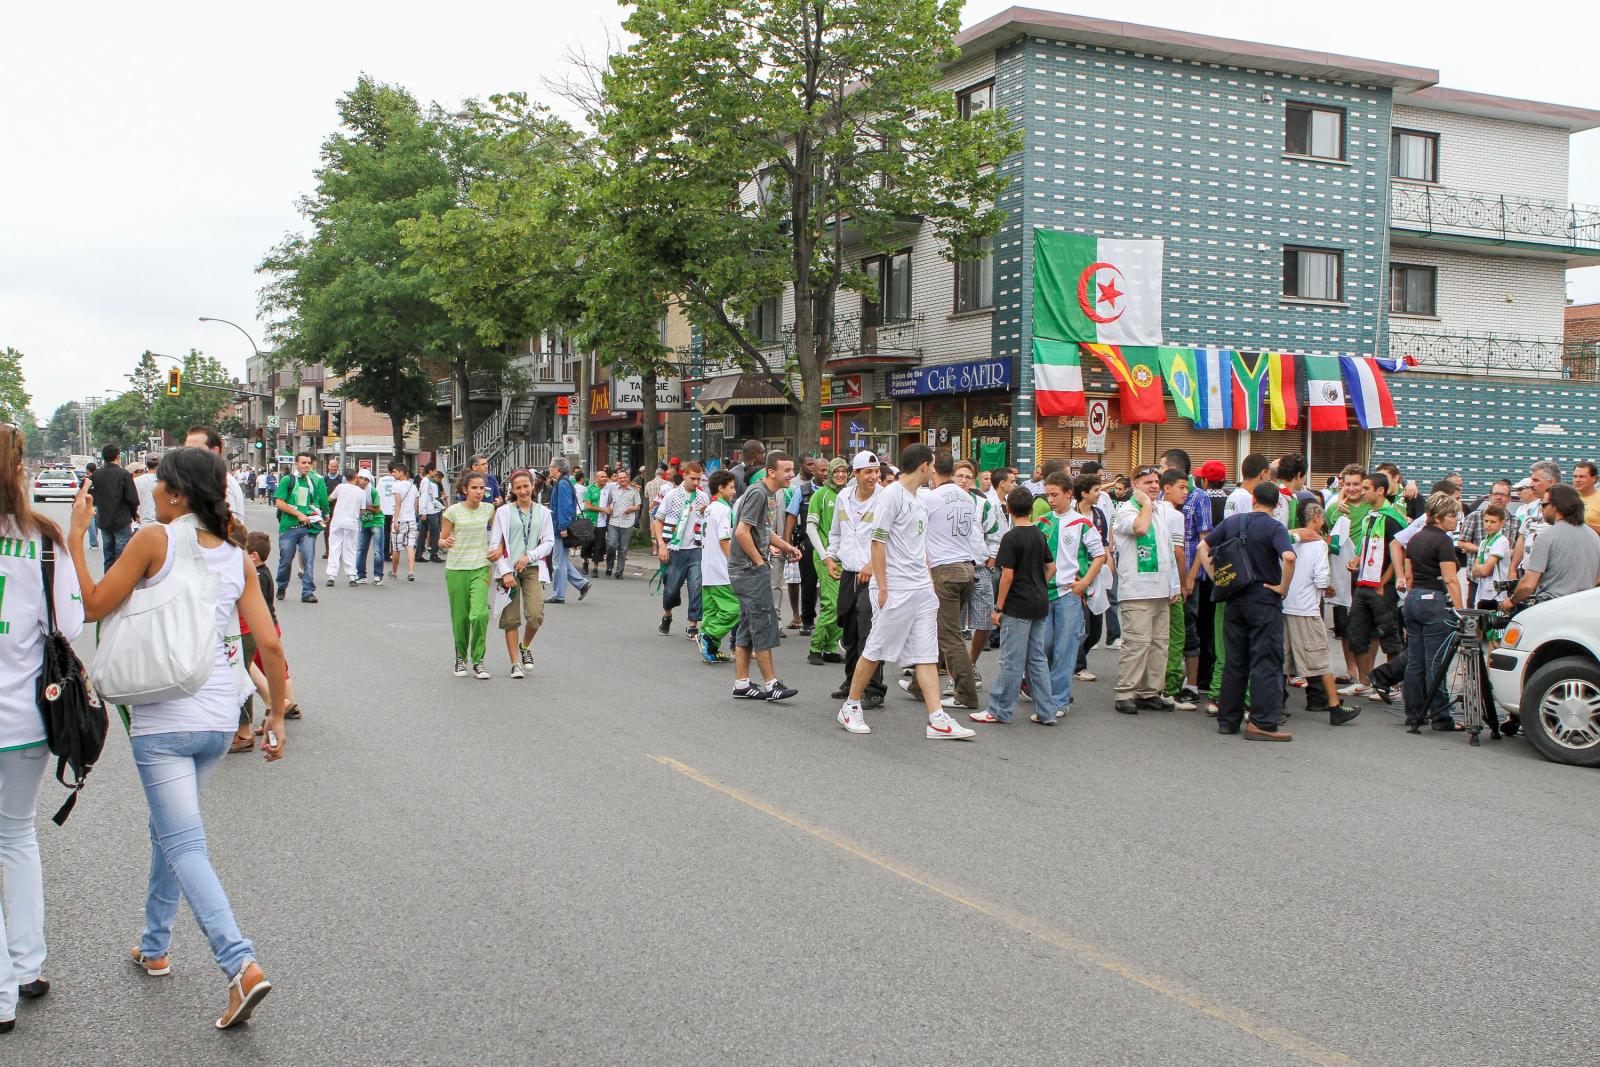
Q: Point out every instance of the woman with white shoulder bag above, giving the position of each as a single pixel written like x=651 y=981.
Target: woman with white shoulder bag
x=170 y=650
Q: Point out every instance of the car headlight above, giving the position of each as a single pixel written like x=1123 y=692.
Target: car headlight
x=1513 y=635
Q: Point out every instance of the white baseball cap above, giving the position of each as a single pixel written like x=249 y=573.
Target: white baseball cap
x=863 y=460
x=364 y=472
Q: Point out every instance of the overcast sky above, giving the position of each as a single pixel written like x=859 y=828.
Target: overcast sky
x=152 y=153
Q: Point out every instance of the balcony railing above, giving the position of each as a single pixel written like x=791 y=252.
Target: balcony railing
x=1515 y=356
x=1464 y=212
x=851 y=336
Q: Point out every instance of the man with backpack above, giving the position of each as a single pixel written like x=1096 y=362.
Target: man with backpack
x=1251 y=560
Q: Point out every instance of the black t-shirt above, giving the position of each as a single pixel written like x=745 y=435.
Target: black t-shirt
x=1429 y=547
x=1023 y=551
x=1265 y=543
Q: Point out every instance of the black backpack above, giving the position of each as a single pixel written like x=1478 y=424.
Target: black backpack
x=1231 y=571
x=75 y=720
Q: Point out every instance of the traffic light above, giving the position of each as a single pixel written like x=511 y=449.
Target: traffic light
x=175 y=381
x=335 y=422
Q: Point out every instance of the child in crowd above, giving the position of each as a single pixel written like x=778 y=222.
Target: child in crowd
x=1305 y=634
x=258 y=547
x=1022 y=616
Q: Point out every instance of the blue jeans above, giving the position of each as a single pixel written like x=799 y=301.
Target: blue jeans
x=1065 y=637
x=172 y=768
x=112 y=542
x=563 y=570
x=299 y=540
x=683 y=566
x=370 y=535
x=94 y=534
x=1428 y=628
x=1113 y=621
x=1023 y=650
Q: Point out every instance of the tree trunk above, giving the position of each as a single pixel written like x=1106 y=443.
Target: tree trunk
x=648 y=420
x=581 y=411
x=464 y=388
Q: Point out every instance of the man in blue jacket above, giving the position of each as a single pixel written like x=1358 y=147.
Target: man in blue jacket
x=563 y=509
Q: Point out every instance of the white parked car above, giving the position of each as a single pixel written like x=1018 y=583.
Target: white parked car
x=55 y=483
x=1548 y=673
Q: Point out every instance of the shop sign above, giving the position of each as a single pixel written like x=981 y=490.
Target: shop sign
x=628 y=394
x=600 y=401
x=842 y=389
x=973 y=376
x=991 y=420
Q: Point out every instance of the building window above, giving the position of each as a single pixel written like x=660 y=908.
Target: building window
x=764 y=320
x=1314 y=131
x=976 y=100
x=1414 y=155
x=1313 y=274
x=1412 y=289
x=975 y=277
x=890 y=279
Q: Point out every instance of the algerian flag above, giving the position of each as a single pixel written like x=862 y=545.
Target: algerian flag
x=1096 y=289
x=1057 y=378
x=1325 y=393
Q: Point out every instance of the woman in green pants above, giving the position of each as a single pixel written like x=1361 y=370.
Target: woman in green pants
x=465 y=533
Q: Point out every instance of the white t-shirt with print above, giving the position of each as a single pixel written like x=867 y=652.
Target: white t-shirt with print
x=952 y=515
x=718 y=540
x=346 y=501
x=900 y=522
x=404 y=507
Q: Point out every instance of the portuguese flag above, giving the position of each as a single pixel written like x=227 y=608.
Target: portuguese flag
x=1138 y=375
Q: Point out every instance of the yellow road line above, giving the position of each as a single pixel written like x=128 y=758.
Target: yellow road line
x=1263 y=1031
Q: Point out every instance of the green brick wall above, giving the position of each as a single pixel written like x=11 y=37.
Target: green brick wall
x=1125 y=145
x=1487 y=428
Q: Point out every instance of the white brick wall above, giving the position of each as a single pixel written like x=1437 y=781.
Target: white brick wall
x=1494 y=155
x=1483 y=295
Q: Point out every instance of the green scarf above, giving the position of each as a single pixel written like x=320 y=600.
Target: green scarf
x=1149 y=555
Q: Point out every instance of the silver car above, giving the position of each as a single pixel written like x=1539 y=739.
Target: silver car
x=55 y=483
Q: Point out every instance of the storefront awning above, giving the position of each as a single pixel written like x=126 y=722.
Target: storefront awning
x=734 y=392
x=871 y=360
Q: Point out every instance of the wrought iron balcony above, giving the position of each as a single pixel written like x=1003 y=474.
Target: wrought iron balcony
x=851 y=336
x=1466 y=214
x=1515 y=356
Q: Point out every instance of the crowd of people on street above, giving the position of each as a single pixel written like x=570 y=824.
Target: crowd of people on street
x=1218 y=596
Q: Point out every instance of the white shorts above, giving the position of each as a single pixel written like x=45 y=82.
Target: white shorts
x=906 y=629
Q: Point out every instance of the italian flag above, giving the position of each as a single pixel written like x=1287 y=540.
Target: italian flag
x=1325 y=393
x=1096 y=290
x=1057 y=378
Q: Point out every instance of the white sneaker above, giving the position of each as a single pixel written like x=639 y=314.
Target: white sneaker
x=516 y=671
x=905 y=685
x=1086 y=676
x=1355 y=689
x=1182 y=703
x=950 y=701
x=942 y=727
x=1114 y=644
x=377 y=579
x=852 y=718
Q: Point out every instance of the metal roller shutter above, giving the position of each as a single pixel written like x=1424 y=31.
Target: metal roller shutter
x=1276 y=443
x=1332 y=451
x=1179 y=432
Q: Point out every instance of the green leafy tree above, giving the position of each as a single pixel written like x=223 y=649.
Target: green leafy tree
x=206 y=396
x=61 y=432
x=345 y=294
x=123 y=421
x=755 y=137
x=14 y=398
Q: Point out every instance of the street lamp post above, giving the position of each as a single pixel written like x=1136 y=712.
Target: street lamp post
x=254 y=348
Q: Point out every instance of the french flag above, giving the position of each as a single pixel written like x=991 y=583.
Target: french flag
x=1369 y=393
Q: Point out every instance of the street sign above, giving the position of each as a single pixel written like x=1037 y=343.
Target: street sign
x=331 y=403
x=569 y=443
x=563 y=405
x=1099 y=417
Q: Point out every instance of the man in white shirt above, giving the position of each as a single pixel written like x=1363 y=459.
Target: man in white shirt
x=430 y=506
x=848 y=558
x=145 y=486
x=1242 y=500
x=403 y=498
x=905 y=625
x=678 y=528
x=207 y=438
x=952 y=517
x=1147 y=576
x=346 y=501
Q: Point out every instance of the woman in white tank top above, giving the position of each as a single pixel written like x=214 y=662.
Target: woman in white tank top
x=23 y=755
x=178 y=743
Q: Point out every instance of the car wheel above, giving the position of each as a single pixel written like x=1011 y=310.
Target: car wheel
x=1561 y=711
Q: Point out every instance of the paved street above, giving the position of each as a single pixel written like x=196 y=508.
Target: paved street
x=613 y=862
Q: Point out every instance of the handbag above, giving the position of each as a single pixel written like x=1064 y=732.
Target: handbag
x=75 y=719
x=580 y=531
x=161 y=643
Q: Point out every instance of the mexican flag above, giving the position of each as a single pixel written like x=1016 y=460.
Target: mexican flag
x=1097 y=290
x=1325 y=393
x=1057 y=378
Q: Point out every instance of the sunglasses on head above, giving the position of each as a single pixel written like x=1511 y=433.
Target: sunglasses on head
x=1144 y=472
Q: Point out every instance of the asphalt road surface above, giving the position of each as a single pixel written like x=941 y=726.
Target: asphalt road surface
x=614 y=862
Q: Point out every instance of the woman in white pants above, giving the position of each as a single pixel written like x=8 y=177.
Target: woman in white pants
x=23 y=756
